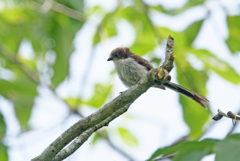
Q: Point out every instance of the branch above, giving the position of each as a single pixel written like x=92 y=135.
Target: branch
x=169 y=57
x=230 y=114
x=85 y=135
x=12 y=58
x=169 y=156
x=86 y=126
x=103 y=115
x=57 y=7
x=32 y=75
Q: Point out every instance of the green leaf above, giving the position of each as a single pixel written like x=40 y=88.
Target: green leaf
x=95 y=138
x=194 y=115
x=106 y=30
x=22 y=92
x=163 y=151
x=74 y=4
x=211 y=62
x=96 y=38
x=188 y=5
x=228 y=149
x=194 y=150
x=73 y=103
x=3 y=152
x=179 y=37
x=63 y=32
x=145 y=38
x=156 y=60
x=191 y=32
x=127 y=137
x=191 y=155
x=233 y=40
x=11 y=29
x=109 y=25
x=89 y=11
x=3 y=127
x=101 y=92
x=102 y=133
x=100 y=95
x=187 y=150
x=184 y=38
x=20 y=22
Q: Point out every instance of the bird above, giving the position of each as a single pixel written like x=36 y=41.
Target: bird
x=131 y=68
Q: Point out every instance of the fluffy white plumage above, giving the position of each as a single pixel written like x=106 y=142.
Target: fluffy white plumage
x=129 y=71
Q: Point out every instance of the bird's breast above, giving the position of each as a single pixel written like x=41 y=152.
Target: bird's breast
x=129 y=71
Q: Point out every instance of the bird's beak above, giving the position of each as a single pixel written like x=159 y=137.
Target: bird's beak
x=109 y=59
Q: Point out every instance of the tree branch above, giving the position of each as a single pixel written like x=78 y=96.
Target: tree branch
x=169 y=56
x=9 y=55
x=230 y=114
x=57 y=7
x=86 y=126
x=12 y=58
x=85 y=135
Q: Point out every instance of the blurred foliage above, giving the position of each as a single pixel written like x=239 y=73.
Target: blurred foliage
x=3 y=127
x=227 y=149
x=3 y=152
x=99 y=135
x=52 y=30
x=233 y=40
x=99 y=97
x=127 y=137
x=194 y=115
x=106 y=29
x=188 y=5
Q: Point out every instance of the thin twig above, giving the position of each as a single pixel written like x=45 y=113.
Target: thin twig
x=8 y=54
x=230 y=114
x=116 y=148
x=170 y=156
x=233 y=128
x=49 y=4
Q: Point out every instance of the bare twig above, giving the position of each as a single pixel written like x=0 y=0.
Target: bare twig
x=116 y=148
x=234 y=127
x=169 y=56
x=170 y=156
x=49 y=4
x=100 y=118
x=8 y=54
x=230 y=114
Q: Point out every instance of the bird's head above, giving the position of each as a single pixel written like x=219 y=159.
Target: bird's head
x=119 y=53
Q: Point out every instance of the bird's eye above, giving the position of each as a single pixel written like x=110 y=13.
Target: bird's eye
x=115 y=55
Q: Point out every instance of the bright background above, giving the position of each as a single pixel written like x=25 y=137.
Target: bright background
x=156 y=119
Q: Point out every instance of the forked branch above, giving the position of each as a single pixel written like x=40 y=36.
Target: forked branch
x=81 y=130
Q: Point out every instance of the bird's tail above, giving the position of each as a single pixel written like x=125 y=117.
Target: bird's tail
x=188 y=93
